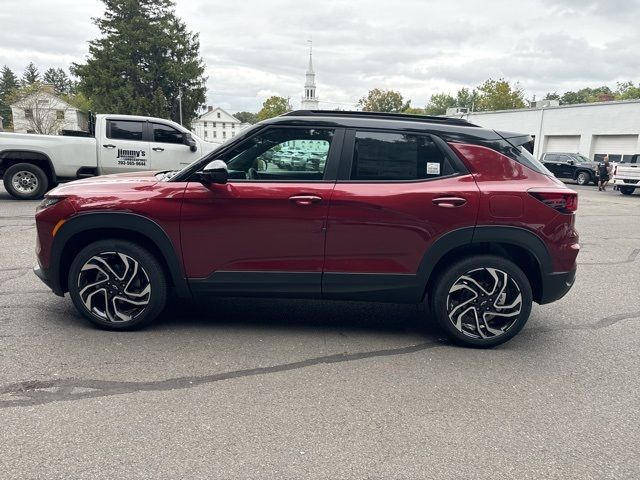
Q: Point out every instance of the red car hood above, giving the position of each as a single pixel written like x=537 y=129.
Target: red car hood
x=118 y=181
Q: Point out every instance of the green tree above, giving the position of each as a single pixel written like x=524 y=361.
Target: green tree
x=8 y=85
x=499 y=95
x=551 y=96
x=274 y=106
x=627 y=91
x=466 y=98
x=31 y=75
x=588 y=95
x=439 y=102
x=61 y=82
x=143 y=60
x=246 y=117
x=415 y=111
x=378 y=100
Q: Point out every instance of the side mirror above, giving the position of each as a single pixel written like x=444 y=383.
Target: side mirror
x=190 y=142
x=215 y=172
x=572 y=162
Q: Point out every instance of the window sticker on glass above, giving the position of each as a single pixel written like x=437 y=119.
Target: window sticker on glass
x=433 y=168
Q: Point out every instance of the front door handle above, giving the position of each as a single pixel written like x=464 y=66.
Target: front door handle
x=449 y=202
x=158 y=149
x=305 y=200
x=109 y=145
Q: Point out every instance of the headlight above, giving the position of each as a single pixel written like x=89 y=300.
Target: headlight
x=48 y=202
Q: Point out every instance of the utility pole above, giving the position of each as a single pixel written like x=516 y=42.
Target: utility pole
x=180 y=104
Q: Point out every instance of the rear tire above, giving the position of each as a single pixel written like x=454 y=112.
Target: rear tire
x=466 y=294
x=583 y=178
x=626 y=190
x=26 y=181
x=117 y=285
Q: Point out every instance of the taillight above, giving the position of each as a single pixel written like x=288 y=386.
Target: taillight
x=564 y=202
x=615 y=169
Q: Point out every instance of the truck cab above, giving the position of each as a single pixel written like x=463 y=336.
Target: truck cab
x=32 y=164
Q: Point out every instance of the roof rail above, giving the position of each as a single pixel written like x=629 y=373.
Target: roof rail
x=382 y=115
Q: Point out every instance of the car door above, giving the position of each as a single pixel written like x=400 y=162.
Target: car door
x=567 y=166
x=553 y=164
x=123 y=148
x=395 y=195
x=169 y=150
x=263 y=232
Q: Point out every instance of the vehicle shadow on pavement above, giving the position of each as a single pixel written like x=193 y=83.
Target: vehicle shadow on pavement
x=298 y=315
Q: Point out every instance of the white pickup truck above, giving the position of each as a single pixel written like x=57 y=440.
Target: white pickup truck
x=626 y=175
x=32 y=164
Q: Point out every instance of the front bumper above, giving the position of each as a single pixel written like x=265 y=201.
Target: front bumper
x=41 y=273
x=556 y=285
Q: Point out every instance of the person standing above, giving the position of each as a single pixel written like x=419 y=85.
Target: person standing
x=604 y=169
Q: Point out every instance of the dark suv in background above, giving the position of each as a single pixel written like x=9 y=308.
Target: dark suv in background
x=572 y=166
x=401 y=208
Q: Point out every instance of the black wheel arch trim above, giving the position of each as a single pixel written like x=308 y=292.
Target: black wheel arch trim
x=137 y=224
x=52 y=171
x=468 y=236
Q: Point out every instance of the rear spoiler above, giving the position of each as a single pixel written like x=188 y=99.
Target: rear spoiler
x=515 y=139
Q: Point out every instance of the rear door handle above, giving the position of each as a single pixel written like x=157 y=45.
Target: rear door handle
x=158 y=149
x=449 y=202
x=109 y=145
x=305 y=200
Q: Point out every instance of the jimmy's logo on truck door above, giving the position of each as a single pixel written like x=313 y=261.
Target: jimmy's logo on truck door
x=136 y=158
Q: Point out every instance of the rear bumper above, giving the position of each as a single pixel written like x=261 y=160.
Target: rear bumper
x=41 y=273
x=556 y=285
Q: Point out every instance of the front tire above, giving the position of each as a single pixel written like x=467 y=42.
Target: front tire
x=117 y=285
x=26 y=181
x=626 y=190
x=481 y=301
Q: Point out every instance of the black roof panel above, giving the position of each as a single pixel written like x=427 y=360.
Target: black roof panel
x=380 y=115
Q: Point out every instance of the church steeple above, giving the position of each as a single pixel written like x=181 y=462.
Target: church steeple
x=309 y=99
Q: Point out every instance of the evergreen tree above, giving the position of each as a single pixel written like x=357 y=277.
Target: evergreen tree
x=61 y=82
x=31 y=75
x=144 y=58
x=8 y=85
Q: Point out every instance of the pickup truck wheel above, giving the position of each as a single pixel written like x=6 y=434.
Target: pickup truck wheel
x=583 y=178
x=117 y=285
x=26 y=181
x=626 y=190
x=481 y=301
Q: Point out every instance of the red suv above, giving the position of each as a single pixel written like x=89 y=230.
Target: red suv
x=389 y=208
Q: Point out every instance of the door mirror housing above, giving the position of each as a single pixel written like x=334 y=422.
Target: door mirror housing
x=190 y=142
x=215 y=172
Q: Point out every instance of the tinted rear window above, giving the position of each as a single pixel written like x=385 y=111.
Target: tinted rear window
x=380 y=156
x=125 y=130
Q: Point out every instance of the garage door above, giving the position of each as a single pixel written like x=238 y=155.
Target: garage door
x=616 y=146
x=563 y=143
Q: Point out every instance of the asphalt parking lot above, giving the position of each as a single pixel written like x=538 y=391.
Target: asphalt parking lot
x=240 y=388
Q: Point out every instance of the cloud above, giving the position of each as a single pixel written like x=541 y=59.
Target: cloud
x=256 y=48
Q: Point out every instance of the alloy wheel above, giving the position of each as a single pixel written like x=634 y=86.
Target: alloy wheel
x=24 y=182
x=114 y=287
x=484 y=303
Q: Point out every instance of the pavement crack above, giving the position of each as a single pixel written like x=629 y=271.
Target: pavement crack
x=31 y=393
x=630 y=259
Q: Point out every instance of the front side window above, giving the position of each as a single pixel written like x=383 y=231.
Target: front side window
x=380 y=156
x=282 y=154
x=166 y=134
x=125 y=130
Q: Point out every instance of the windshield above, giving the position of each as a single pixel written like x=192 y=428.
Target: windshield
x=582 y=158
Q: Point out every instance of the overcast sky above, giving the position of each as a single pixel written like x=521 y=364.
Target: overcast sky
x=257 y=48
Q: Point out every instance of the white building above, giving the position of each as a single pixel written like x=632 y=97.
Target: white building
x=309 y=100
x=592 y=129
x=217 y=125
x=45 y=113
